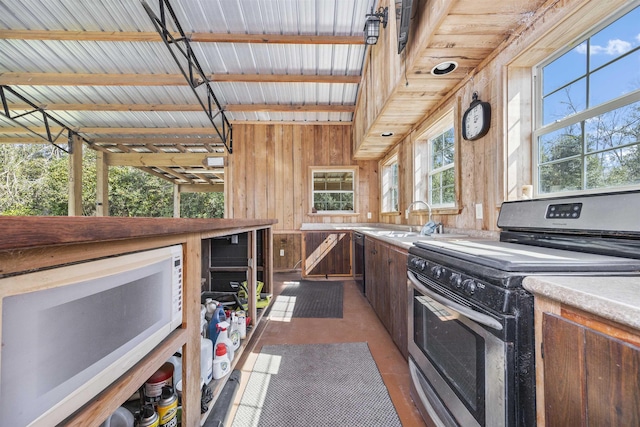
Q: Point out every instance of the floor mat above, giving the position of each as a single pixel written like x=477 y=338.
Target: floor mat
x=315 y=385
x=310 y=299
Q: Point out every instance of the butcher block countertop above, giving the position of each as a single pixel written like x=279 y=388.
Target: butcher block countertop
x=616 y=298
x=30 y=232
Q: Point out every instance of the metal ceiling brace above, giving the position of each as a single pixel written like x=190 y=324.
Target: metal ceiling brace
x=44 y=116
x=193 y=72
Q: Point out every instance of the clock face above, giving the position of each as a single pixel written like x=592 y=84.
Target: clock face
x=475 y=121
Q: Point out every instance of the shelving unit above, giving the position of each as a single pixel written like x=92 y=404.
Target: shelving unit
x=33 y=243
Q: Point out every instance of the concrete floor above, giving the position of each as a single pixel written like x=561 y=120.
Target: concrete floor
x=359 y=324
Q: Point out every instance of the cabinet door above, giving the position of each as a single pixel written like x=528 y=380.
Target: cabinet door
x=398 y=298
x=613 y=381
x=590 y=379
x=383 y=296
x=327 y=254
x=370 y=279
x=564 y=373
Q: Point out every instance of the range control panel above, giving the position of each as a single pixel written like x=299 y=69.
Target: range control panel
x=564 y=210
x=469 y=288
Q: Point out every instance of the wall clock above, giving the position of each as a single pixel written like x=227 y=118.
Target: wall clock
x=476 y=120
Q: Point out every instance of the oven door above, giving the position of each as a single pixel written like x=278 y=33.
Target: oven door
x=457 y=364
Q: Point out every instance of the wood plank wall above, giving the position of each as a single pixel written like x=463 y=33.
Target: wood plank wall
x=494 y=168
x=268 y=177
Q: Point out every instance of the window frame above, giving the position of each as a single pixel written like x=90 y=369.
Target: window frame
x=449 y=119
x=341 y=169
x=579 y=118
x=387 y=163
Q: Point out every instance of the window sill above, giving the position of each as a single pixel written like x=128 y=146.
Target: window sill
x=333 y=214
x=389 y=213
x=449 y=210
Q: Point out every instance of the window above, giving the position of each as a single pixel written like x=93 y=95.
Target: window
x=587 y=134
x=390 y=185
x=333 y=190
x=435 y=174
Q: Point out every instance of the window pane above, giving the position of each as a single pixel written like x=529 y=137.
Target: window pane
x=437 y=147
x=448 y=177
x=614 y=168
x=568 y=100
x=569 y=67
x=614 y=128
x=333 y=191
x=614 y=40
x=560 y=144
x=614 y=80
x=449 y=194
x=564 y=176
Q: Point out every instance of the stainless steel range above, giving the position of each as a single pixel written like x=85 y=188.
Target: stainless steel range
x=471 y=334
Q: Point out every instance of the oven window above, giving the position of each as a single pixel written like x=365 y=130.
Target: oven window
x=455 y=351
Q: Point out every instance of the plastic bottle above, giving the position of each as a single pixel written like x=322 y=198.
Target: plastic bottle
x=223 y=338
x=204 y=324
x=221 y=363
x=234 y=333
x=210 y=307
x=217 y=317
x=242 y=324
x=176 y=361
x=206 y=360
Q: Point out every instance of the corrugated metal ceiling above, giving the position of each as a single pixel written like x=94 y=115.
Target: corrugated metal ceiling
x=293 y=17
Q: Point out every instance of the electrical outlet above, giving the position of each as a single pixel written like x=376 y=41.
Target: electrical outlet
x=281 y=252
x=368 y=215
x=479 y=211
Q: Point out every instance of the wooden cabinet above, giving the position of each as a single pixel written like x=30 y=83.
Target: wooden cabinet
x=590 y=378
x=386 y=288
x=326 y=253
x=33 y=243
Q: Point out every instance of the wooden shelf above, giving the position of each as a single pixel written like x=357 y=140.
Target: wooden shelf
x=39 y=243
x=109 y=400
x=217 y=385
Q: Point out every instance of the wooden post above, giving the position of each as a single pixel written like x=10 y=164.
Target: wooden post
x=191 y=320
x=176 y=201
x=252 y=276
x=102 y=185
x=75 y=177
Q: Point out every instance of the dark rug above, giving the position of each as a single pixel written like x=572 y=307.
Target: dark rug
x=315 y=385
x=311 y=299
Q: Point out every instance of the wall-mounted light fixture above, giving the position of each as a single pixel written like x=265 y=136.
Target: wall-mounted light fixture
x=372 y=24
x=213 y=162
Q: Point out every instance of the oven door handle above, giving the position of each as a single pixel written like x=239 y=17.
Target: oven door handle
x=465 y=311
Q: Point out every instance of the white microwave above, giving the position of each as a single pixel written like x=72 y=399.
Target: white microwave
x=69 y=332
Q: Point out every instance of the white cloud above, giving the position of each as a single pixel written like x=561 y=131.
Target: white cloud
x=614 y=47
x=638 y=37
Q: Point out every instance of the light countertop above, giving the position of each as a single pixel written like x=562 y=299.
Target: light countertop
x=616 y=298
x=398 y=235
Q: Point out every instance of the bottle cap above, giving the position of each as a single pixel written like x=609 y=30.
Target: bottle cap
x=221 y=349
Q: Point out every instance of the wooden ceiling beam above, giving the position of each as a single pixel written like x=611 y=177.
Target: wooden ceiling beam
x=140 y=36
x=207 y=132
x=201 y=188
x=161 y=141
x=90 y=79
x=191 y=107
x=156 y=159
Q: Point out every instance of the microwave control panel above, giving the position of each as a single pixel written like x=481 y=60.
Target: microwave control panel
x=176 y=286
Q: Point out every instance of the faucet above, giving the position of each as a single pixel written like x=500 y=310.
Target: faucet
x=406 y=213
x=430 y=227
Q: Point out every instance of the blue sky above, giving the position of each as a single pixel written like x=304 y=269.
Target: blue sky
x=618 y=78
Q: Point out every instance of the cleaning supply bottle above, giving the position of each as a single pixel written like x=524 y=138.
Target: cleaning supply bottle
x=223 y=338
x=242 y=324
x=234 y=333
x=206 y=360
x=221 y=362
x=217 y=316
x=204 y=324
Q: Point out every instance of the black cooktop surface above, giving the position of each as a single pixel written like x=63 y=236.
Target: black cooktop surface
x=515 y=257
